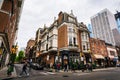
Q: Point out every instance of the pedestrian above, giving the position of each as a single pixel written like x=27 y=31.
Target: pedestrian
x=66 y=67
x=24 y=69
x=58 y=67
x=73 y=67
x=30 y=65
x=55 y=67
x=10 y=68
x=89 y=67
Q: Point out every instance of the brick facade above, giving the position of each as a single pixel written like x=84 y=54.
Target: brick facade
x=62 y=37
x=9 y=18
x=98 y=51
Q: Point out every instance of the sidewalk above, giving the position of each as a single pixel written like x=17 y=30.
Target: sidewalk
x=94 y=70
x=3 y=74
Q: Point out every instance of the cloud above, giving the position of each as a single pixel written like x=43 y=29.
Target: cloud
x=36 y=13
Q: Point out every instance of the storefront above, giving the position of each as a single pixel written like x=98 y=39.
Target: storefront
x=68 y=57
x=99 y=60
x=4 y=50
x=113 y=56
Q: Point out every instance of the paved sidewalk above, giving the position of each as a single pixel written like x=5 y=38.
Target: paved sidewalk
x=3 y=74
x=101 y=69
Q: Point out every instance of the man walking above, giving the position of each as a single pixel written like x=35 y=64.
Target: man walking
x=24 y=69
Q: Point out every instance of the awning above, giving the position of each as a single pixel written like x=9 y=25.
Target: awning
x=97 y=56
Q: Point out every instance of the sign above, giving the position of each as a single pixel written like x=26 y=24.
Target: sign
x=47 y=57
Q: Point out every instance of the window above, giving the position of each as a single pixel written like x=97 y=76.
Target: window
x=1 y=1
x=112 y=53
x=87 y=46
x=70 y=40
x=74 y=40
x=71 y=19
x=50 y=43
x=47 y=37
x=83 y=47
x=70 y=29
x=46 y=47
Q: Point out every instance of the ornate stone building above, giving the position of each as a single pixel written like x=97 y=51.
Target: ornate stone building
x=65 y=41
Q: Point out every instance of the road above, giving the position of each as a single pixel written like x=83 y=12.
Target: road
x=112 y=74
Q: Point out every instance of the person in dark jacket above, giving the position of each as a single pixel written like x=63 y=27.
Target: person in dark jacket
x=24 y=69
x=66 y=67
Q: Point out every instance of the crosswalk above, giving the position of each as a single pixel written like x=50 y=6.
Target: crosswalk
x=79 y=74
x=52 y=73
x=47 y=73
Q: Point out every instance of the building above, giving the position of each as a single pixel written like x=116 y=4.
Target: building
x=29 y=48
x=98 y=51
x=116 y=35
x=112 y=54
x=66 y=41
x=102 y=24
x=10 y=11
x=117 y=17
x=90 y=29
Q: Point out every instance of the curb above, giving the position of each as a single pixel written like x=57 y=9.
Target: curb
x=5 y=77
x=9 y=78
x=103 y=69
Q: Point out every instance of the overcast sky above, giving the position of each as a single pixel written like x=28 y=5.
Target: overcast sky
x=36 y=13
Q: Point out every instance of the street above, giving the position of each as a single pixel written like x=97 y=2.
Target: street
x=110 y=74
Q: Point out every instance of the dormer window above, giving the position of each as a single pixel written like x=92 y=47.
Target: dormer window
x=70 y=19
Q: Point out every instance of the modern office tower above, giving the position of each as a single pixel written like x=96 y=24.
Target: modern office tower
x=90 y=29
x=117 y=17
x=103 y=23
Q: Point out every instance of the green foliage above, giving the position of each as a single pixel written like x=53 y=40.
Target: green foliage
x=20 y=56
x=94 y=66
x=17 y=59
x=12 y=57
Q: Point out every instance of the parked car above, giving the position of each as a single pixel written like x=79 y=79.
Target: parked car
x=36 y=66
x=118 y=65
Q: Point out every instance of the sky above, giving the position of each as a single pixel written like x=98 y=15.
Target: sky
x=36 y=13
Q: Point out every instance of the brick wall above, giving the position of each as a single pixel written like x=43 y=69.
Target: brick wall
x=8 y=20
x=62 y=36
x=98 y=47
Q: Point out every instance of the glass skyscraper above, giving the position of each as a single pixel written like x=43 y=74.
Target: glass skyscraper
x=90 y=29
x=117 y=17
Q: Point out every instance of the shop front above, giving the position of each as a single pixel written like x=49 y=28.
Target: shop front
x=69 y=57
x=4 y=50
x=99 y=60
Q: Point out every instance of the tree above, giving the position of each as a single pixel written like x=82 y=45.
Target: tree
x=20 y=56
